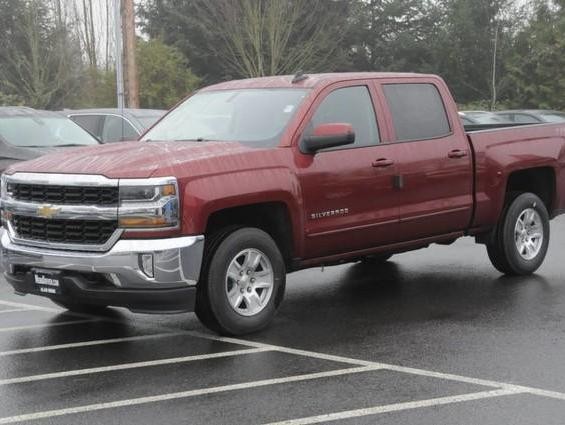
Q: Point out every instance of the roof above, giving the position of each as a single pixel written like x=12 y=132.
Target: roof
x=117 y=111
x=285 y=81
x=530 y=111
x=7 y=111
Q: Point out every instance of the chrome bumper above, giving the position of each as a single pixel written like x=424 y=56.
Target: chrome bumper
x=176 y=261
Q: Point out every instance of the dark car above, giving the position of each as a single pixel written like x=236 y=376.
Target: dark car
x=533 y=116
x=114 y=125
x=27 y=133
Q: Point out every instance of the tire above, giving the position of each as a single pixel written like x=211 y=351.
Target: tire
x=521 y=238
x=376 y=259
x=80 y=307
x=242 y=282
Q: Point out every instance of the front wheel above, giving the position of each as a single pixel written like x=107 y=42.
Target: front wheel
x=242 y=283
x=521 y=239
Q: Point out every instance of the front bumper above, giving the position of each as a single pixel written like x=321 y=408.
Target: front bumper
x=117 y=277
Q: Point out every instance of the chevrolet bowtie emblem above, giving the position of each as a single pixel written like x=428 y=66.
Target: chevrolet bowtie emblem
x=47 y=211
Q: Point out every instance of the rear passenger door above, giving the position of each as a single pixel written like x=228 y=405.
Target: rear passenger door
x=349 y=198
x=434 y=158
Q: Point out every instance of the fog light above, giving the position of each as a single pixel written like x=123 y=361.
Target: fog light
x=146 y=261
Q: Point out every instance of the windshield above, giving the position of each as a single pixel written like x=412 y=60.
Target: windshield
x=43 y=131
x=556 y=117
x=148 y=120
x=252 y=116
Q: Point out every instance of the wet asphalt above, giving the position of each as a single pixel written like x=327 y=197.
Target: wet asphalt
x=444 y=312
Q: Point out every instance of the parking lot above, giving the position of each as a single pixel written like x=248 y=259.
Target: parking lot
x=432 y=337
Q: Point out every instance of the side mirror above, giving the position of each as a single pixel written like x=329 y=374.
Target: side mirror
x=328 y=136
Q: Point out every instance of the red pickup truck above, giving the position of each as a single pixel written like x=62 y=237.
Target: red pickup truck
x=248 y=180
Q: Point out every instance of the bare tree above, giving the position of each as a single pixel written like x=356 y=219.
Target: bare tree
x=266 y=37
x=39 y=61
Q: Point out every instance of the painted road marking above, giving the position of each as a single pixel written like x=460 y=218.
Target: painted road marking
x=14 y=310
x=30 y=306
x=134 y=365
x=341 y=359
x=46 y=325
x=88 y=343
x=183 y=394
x=396 y=368
x=397 y=407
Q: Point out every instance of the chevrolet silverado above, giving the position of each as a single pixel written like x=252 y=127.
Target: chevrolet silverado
x=246 y=181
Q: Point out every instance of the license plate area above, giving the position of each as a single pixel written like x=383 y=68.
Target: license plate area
x=47 y=281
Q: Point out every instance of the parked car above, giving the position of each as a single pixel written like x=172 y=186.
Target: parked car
x=248 y=180
x=533 y=116
x=27 y=133
x=115 y=125
x=482 y=117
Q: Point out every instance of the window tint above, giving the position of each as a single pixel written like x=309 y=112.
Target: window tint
x=506 y=117
x=350 y=105
x=556 y=117
x=525 y=119
x=417 y=111
x=90 y=123
x=116 y=129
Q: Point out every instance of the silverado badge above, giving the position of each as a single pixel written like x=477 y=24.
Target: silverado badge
x=47 y=211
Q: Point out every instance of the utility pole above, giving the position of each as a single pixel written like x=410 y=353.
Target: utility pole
x=119 y=68
x=494 y=62
x=130 y=67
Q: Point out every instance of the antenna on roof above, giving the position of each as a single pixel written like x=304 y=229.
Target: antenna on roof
x=300 y=76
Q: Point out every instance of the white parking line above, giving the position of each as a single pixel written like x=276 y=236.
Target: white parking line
x=14 y=310
x=31 y=307
x=133 y=365
x=348 y=414
x=183 y=394
x=346 y=360
x=386 y=366
x=46 y=325
x=87 y=343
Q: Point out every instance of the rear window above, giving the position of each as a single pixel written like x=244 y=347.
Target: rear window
x=90 y=123
x=417 y=111
x=555 y=117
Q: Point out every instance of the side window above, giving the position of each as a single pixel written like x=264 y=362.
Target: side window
x=525 y=119
x=417 y=111
x=117 y=129
x=90 y=123
x=350 y=105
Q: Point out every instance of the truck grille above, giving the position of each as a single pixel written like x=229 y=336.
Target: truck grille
x=84 y=232
x=66 y=195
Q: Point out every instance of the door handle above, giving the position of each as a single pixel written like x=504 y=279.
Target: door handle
x=457 y=153
x=383 y=163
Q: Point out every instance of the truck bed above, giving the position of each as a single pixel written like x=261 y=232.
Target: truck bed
x=499 y=151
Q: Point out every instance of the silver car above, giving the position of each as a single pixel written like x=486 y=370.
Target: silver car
x=115 y=125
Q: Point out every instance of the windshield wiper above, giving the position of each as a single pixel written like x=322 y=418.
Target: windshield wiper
x=68 y=145
x=198 y=139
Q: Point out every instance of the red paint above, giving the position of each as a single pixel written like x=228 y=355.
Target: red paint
x=451 y=185
x=336 y=129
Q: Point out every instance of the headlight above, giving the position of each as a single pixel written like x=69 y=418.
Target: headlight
x=148 y=206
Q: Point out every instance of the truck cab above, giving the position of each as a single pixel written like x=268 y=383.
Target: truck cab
x=248 y=180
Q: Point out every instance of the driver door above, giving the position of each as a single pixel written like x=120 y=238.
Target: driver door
x=350 y=201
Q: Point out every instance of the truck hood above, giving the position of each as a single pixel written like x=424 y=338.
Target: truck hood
x=128 y=159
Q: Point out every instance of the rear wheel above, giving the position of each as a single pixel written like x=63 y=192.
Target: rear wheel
x=242 y=283
x=521 y=239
